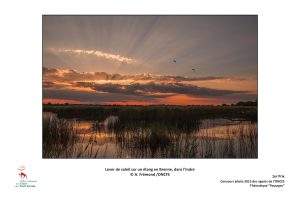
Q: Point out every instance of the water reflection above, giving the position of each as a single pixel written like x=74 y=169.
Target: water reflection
x=112 y=138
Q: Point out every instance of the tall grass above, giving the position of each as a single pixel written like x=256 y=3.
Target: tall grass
x=58 y=136
x=163 y=113
x=158 y=141
x=61 y=139
x=240 y=143
x=148 y=132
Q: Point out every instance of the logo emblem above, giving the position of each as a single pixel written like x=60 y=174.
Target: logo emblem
x=22 y=174
x=23 y=181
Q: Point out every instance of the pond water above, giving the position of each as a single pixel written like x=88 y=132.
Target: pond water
x=112 y=138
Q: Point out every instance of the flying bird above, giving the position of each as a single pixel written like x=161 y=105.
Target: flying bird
x=174 y=60
x=194 y=69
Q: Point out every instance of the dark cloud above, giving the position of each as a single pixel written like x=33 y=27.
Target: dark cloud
x=207 y=78
x=92 y=97
x=102 y=98
x=50 y=74
x=48 y=84
x=49 y=71
x=149 y=88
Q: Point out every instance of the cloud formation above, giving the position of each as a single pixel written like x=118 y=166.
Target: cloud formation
x=152 y=89
x=96 y=53
x=72 y=75
x=92 y=97
x=105 y=88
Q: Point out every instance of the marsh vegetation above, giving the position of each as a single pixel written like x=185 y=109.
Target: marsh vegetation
x=90 y=131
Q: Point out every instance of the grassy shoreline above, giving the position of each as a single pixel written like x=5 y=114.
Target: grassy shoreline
x=150 y=131
x=159 y=112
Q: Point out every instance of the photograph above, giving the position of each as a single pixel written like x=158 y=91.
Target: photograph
x=150 y=86
x=149 y=99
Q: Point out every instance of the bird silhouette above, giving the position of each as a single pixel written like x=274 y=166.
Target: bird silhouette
x=194 y=69
x=174 y=60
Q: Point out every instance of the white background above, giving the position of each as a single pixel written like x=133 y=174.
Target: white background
x=21 y=111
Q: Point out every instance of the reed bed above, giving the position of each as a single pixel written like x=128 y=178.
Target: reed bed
x=62 y=139
x=148 y=132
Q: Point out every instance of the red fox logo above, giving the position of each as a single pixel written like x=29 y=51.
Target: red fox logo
x=23 y=175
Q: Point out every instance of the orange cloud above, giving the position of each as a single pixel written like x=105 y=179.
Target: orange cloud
x=246 y=84
x=140 y=103
x=63 y=101
x=143 y=89
x=115 y=57
x=182 y=99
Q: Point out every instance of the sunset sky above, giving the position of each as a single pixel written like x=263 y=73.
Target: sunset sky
x=144 y=60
